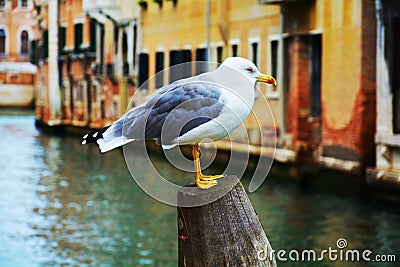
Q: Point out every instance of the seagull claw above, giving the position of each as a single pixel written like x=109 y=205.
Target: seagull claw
x=206 y=181
x=211 y=177
x=205 y=184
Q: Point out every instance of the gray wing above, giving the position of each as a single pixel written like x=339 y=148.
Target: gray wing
x=173 y=111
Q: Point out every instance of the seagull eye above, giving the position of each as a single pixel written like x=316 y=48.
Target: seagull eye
x=250 y=70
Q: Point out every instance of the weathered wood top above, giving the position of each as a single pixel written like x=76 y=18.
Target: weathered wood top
x=224 y=232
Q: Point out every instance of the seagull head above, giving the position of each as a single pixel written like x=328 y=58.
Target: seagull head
x=248 y=69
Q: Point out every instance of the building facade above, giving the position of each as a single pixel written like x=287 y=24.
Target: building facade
x=18 y=28
x=386 y=171
x=230 y=28
x=321 y=52
x=94 y=62
x=329 y=80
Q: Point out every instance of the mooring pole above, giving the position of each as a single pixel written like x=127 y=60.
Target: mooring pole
x=225 y=232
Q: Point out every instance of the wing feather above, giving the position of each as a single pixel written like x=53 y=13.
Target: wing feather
x=173 y=111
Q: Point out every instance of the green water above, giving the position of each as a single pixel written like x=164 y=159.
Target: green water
x=63 y=204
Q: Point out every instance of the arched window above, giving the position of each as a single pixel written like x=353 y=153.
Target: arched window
x=2 y=41
x=24 y=42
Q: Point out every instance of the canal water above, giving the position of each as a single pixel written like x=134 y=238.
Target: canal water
x=63 y=204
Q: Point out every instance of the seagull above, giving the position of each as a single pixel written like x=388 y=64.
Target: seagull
x=205 y=107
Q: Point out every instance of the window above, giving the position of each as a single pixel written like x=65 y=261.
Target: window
x=116 y=34
x=273 y=64
x=32 y=56
x=101 y=52
x=200 y=58
x=2 y=41
x=254 y=50
x=62 y=33
x=143 y=70
x=219 y=54
x=180 y=56
x=2 y=3
x=78 y=37
x=23 y=3
x=134 y=47
x=235 y=50
x=125 y=64
x=93 y=34
x=200 y=54
x=24 y=38
x=124 y=47
x=159 y=69
x=45 y=44
x=254 y=53
x=177 y=57
x=274 y=58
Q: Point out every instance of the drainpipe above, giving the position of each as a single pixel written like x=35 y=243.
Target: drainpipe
x=207 y=33
x=138 y=45
x=280 y=76
x=53 y=86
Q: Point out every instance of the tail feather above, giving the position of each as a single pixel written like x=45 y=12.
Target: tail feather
x=107 y=145
x=92 y=137
x=107 y=138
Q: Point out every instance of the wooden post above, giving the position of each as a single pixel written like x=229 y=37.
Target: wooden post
x=225 y=232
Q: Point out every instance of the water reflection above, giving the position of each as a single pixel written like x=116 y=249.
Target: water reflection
x=63 y=204
x=98 y=216
x=297 y=219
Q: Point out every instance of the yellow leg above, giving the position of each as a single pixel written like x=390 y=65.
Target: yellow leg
x=201 y=180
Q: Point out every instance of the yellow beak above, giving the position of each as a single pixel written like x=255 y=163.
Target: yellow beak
x=266 y=79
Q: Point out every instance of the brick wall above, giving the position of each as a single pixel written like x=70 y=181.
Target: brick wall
x=299 y=90
x=354 y=140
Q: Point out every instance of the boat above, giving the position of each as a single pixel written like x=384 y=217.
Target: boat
x=17 y=84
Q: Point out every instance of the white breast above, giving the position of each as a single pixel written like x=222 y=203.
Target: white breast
x=235 y=111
